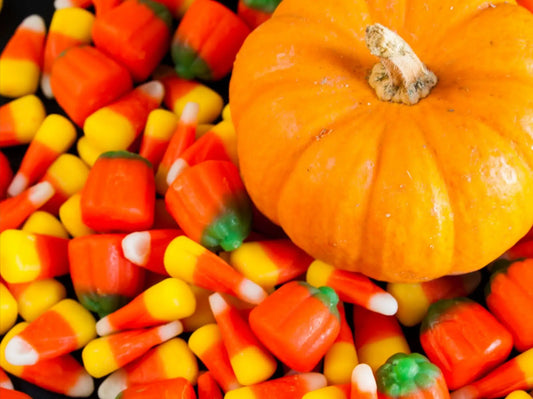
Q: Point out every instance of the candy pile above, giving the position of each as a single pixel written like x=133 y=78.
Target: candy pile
x=134 y=265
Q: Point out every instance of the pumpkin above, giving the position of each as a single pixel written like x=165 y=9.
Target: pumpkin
x=407 y=165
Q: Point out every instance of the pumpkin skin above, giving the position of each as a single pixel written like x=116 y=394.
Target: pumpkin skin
x=401 y=193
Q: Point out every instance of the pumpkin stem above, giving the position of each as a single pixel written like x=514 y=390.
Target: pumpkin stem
x=400 y=76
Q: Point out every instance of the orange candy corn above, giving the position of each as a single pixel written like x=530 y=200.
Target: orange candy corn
x=53 y=138
x=28 y=256
x=119 y=194
x=208 y=387
x=14 y=211
x=42 y=222
x=69 y=27
x=12 y=394
x=377 y=337
x=20 y=119
x=6 y=174
x=65 y=327
x=363 y=383
x=158 y=130
x=104 y=355
x=62 y=374
x=168 y=300
x=5 y=381
x=83 y=79
x=176 y=388
x=250 y=361
x=288 y=387
x=207 y=344
x=352 y=287
x=59 y=4
x=21 y=58
x=135 y=33
x=196 y=265
x=171 y=359
x=339 y=391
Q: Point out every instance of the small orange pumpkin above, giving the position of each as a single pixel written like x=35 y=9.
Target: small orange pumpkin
x=342 y=149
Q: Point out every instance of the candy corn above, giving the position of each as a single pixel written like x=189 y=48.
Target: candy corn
x=5 y=381
x=202 y=314
x=163 y=219
x=176 y=388
x=518 y=394
x=70 y=216
x=20 y=119
x=169 y=300
x=88 y=151
x=377 y=337
x=330 y=392
x=117 y=125
x=103 y=355
x=352 y=287
x=6 y=174
x=41 y=222
x=14 y=211
x=12 y=394
x=8 y=309
x=59 y=4
x=206 y=343
x=158 y=130
x=207 y=387
x=69 y=27
x=288 y=387
x=363 y=382
x=196 y=265
x=54 y=137
x=171 y=359
x=27 y=256
x=21 y=58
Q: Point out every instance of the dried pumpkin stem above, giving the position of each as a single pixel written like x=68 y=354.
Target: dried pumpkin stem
x=400 y=76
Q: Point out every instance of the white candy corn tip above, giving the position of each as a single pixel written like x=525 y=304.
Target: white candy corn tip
x=383 y=303
x=251 y=292
x=136 y=247
x=103 y=327
x=153 y=89
x=363 y=378
x=467 y=392
x=314 y=381
x=46 y=86
x=175 y=169
x=217 y=303
x=35 y=23
x=17 y=185
x=40 y=193
x=59 y=4
x=170 y=330
x=113 y=385
x=19 y=352
x=83 y=388
x=189 y=115
x=7 y=384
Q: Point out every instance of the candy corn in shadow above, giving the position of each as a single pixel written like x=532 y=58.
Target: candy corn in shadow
x=159 y=127
x=69 y=27
x=5 y=381
x=182 y=138
x=377 y=337
x=6 y=174
x=297 y=323
x=414 y=298
x=254 y=13
x=20 y=119
x=341 y=357
x=8 y=309
x=83 y=79
x=64 y=328
x=208 y=387
x=179 y=92
x=118 y=124
x=147 y=248
x=42 y=222
x=162 y=218
x=53 y=138
x=119 y=194
x=12 y=394
x=176 y=388
x=339 y=391
x=136 y=33
x=352 y=287
x=193 y=263
x=207 y=40
x=207 y=344
x=169 y=300
x=103 y=355
x=36 y=297
x=70 y=216
x=211 y=205
x=28 y=256
x=62 y=374
x=15 y=210
x=171 y=359
x=103 y=279
x=202 y=315
x=288 y=387
x=250 y=361
x=363 y=382
x=21 y=58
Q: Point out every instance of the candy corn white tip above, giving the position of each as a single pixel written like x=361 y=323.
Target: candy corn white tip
x=59 y=4
x=466 y=392
x=251 y=292
x=383 y=303
x=46 y=86
x=113 y=385
x=7 y=384
x=170 y=330
x=40 y=193
x=363 y=378
x=189 y=115
x=314 y=381
x=83 y=388
x=154 y=89
x=218 y=303
x=19 y=352
x=175 y=169
x=103 y=327
x=18 y=185
x=35 y=23
x=233 y=385
x=136 y=247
